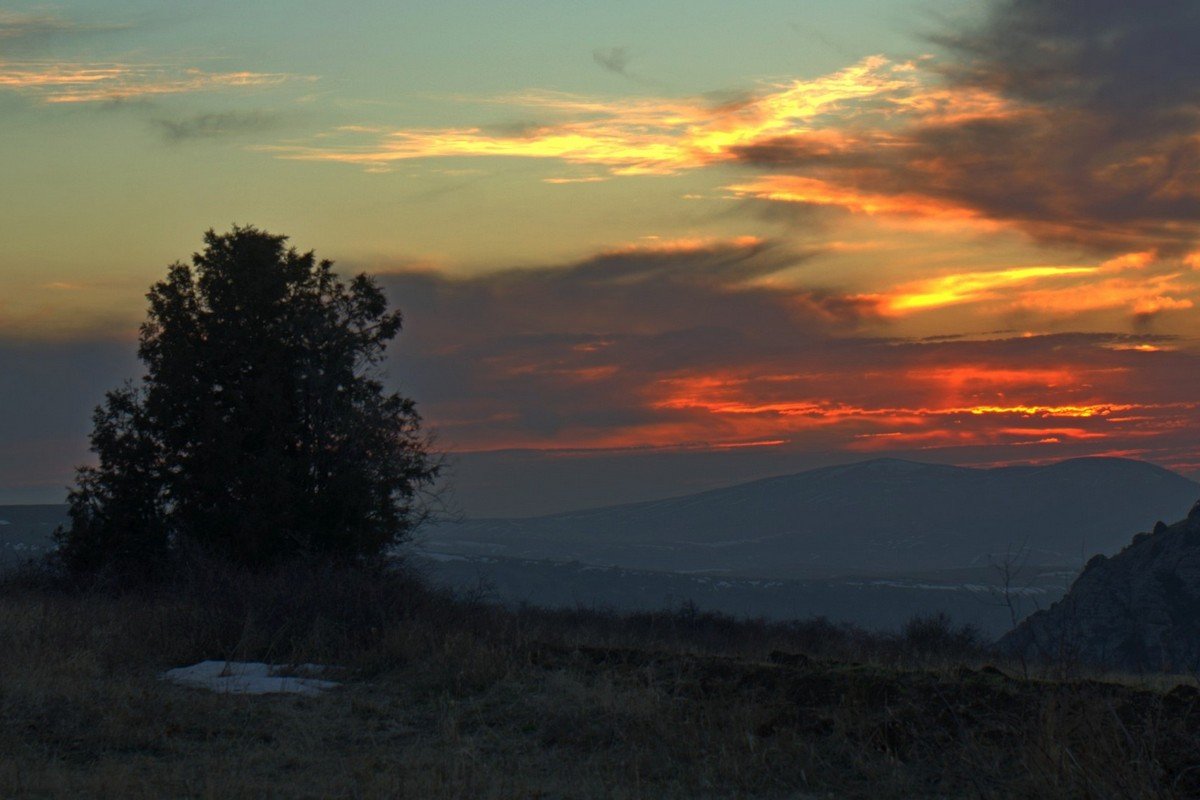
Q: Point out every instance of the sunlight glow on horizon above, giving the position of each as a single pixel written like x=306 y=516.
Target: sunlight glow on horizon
x=853 y=248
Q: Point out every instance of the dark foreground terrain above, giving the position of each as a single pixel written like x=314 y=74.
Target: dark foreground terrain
x=447 y=697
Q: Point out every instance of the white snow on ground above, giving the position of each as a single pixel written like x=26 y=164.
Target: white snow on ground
x=250 y=677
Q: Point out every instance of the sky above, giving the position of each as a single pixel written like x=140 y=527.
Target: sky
x=641 y=248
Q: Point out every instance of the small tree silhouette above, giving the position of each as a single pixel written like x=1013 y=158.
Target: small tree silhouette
x=260 y=431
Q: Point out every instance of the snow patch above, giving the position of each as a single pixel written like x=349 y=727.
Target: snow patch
x=250 y=677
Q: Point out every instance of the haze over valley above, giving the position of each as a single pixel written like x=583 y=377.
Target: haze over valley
x=872 y=543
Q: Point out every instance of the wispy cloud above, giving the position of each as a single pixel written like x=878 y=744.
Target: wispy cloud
x=1127 y=282
x=636 y=137
x=612 y=59
x=55 y=82
x=616 y=60
x=76 y=80
x=16 y=25
x=22 y=27
x=970 y=287
x=216 y=125
x=913 y=208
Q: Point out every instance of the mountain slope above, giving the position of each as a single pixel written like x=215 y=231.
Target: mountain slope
x=877 y=515
x=1139 y=610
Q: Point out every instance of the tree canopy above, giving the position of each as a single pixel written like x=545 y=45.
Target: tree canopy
x=261 y=430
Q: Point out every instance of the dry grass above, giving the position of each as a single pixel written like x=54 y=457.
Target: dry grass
x=447 y=697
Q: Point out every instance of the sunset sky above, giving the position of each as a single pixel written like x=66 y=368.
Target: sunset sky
x=696 y=240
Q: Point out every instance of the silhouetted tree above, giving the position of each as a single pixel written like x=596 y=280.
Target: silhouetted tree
x=260 y=431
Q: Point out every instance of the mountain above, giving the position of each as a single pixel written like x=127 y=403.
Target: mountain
x=1137 y=611
x=884 y=515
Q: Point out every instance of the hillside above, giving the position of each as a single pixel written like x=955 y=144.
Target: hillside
x=443 y=697
x=881 y=515
x=1139 y=610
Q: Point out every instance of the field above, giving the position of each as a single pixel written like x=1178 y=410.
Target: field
x=451 y=697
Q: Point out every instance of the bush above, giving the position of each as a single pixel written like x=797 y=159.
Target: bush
x=935 y=634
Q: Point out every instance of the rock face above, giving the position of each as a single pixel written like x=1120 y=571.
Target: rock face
x=1137 y=611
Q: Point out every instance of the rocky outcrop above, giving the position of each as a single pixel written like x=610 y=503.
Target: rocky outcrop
x=1138 y=610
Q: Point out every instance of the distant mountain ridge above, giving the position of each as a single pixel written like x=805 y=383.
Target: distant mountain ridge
x=26 y=530
x=878 y=515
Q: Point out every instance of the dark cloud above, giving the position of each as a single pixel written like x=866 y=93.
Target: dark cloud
x=613 y=59
x=574 y=347
x=1112 y=57
x=693 y=347
x=616 y=60
x=1108 y=152
x=23 y=33
x=655 y=290
x=515 y=129
x=1095 y=140
x=217 y=125
x=23 y=26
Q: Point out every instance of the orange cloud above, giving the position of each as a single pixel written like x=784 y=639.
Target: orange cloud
x=1141 y=348
x=1141 y=296
x=828 y=411
x=950 y=405
x=813 y=191
x=654 y=136
x=587 y=179
x=653 y=245
x=969 y=287
x=88 y=83
x=1127 y=284
x=1139 y=260
x=759 y=443
x=960 y=376
x=891 y=427
x=36 y=76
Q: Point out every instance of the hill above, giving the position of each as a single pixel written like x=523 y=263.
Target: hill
x=1139 y=610
x=875 y=516
x=444 y=697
